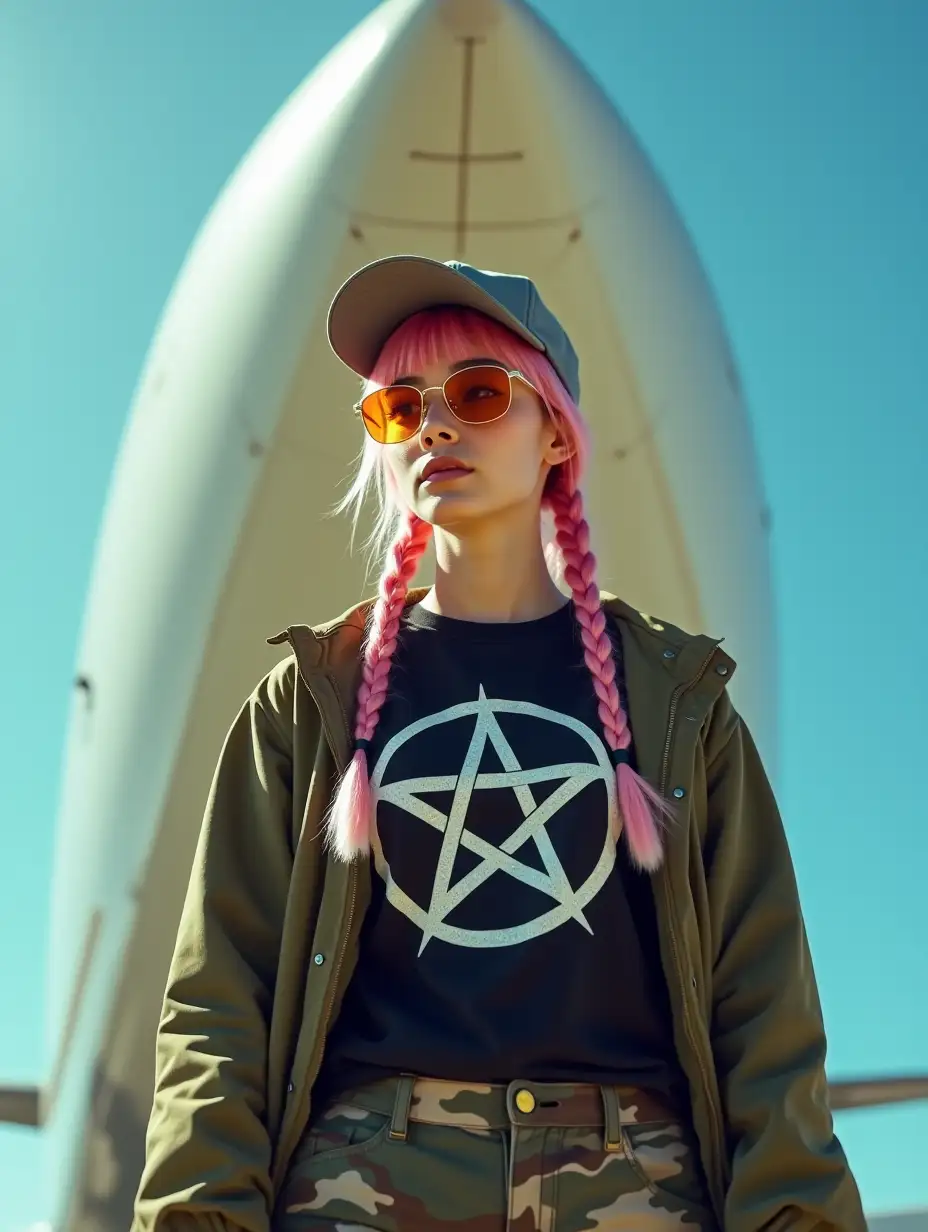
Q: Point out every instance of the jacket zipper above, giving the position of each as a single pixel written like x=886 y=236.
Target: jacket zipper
x=284 y=1156
x=687 y=990
x=674 y=702
x=333 y=985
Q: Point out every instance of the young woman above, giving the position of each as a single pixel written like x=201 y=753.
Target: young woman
x=492 y=924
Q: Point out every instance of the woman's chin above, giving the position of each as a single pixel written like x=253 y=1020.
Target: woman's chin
x=447 y=509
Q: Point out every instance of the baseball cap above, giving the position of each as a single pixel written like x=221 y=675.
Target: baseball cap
x=379 y=296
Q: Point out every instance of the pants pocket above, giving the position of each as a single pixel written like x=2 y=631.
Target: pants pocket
x=665 y=1156
x=325 y=1165
x=439 y=1177
x=342 y=1128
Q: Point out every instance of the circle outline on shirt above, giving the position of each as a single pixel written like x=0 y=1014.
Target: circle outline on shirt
x=547 y=921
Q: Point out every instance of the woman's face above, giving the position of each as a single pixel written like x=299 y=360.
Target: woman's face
x=500 y=465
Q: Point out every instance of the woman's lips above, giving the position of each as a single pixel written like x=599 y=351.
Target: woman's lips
x=446 y=473
x=442 y=468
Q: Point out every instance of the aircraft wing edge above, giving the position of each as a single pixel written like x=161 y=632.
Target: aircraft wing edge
x=21 y=1106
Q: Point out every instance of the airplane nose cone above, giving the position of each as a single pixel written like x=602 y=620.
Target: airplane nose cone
x=471 y=18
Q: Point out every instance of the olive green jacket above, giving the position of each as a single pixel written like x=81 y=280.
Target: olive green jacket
x=268 y=941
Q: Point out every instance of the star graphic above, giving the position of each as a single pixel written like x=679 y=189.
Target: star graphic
x=553 y=882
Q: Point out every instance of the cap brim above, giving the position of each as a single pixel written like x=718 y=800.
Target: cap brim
x=376 y=299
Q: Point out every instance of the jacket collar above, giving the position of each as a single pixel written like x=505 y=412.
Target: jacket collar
x=661 y=661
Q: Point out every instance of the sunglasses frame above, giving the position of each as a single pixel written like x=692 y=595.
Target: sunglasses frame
x=510 y=373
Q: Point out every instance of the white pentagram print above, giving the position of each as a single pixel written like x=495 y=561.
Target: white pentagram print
x=406 y=794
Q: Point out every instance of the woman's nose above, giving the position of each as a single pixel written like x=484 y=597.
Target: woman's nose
x=438 y=424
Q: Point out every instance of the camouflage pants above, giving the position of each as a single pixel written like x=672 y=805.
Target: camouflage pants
x=423 y=1155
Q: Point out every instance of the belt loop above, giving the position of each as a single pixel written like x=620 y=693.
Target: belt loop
x=399 y=1123
x=612 y=1119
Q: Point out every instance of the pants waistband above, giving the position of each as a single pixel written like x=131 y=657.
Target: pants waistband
x=532 y=1105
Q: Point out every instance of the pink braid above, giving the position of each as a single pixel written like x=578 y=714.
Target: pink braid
x=352 y=814
x=641 y=808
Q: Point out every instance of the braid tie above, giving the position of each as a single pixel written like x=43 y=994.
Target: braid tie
x=642 y=810
x=351 y=817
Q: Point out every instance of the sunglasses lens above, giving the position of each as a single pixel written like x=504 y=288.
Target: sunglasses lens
x=478 y=395
x=475 y=395
x=393 y=414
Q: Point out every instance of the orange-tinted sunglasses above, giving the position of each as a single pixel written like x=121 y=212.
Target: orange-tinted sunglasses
x=476 y=395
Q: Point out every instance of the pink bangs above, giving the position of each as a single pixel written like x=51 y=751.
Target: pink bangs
x=450 y=334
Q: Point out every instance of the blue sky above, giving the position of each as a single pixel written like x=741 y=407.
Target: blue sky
x=791 y=134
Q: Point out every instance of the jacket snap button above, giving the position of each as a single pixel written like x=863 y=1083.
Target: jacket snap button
x=290 y=1088
x=670 y=654
x=318 y=959
x=679 y=792
x=525 y=1101
x=722 y=669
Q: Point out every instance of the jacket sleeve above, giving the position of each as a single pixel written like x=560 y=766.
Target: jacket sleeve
x=208 y=1152
x=788 y=1170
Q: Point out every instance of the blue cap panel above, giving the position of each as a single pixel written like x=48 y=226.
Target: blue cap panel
x=519 y=296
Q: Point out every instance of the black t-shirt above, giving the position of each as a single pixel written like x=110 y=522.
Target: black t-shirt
x=508 y=936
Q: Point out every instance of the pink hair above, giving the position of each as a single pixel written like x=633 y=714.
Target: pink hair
x=451 y=334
